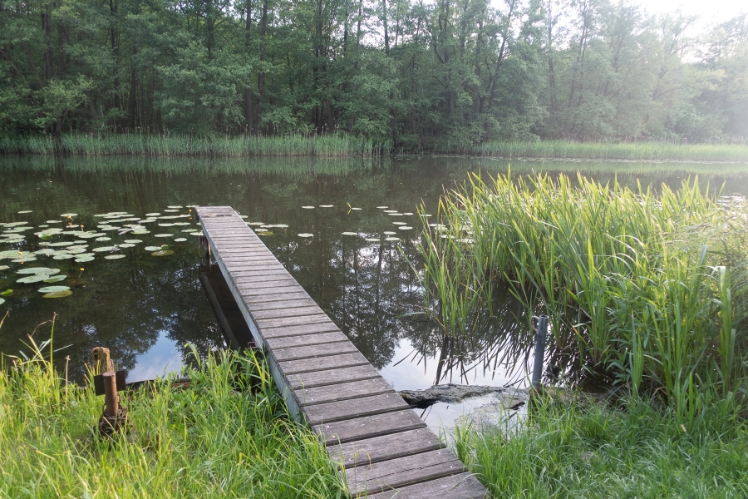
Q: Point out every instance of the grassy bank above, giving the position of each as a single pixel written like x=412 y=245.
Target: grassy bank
x=642 y=289
x=340 y=146
x=637 y=151
x=579 y=451
x=325 y=146
x=210 y=440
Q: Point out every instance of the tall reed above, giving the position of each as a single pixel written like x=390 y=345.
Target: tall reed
x=637 y=284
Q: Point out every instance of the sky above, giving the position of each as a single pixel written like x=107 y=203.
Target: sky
x=709 y=12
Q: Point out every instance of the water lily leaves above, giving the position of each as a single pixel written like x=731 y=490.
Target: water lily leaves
x=152 y=248
x=104 y=248
x=398 y=223
x=7 y=292
x=55 y=278
x=305 y=234
x=405 y=227
x=163 y=252
x=102 y=239
x=153 y=214
x=372 y=239
x=2 y=300
x=69 y=215
x=53 y=222
x=163 y=235
x=32 y=279
x=63 y=256
x=171 y=211
x=53 y=289
x=350 y=233
x=197 y=233
x=390 y=211
x=264 y=233
x=326 y=205
x=389 y=233
x=113 y=257
x=355 y=209
x=382 y=207
x=126 y=245
x=180 y=239
x=24 y=260
x=307 y=207
x=58 y=294
x=38 y=270
x=23 y=212
x=85 y=259
x=133 y=241
x=407 y=214
x=4 y=267
x=392 y=239
x=76 y=251
x=141 y=232
x=395 y=214
x=175 y=207
x=189 y=230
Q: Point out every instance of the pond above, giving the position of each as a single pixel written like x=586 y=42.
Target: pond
x=340 y=228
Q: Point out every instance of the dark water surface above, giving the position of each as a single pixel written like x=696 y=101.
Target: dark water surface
x=146 y=308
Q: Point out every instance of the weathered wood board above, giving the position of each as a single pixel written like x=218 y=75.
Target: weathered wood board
x=382 y=447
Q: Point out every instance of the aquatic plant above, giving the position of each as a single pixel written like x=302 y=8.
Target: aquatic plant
x=637 y=284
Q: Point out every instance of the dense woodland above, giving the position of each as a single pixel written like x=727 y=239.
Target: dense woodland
x=403 y=72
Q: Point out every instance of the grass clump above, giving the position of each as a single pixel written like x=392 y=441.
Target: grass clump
x=643 y=289
x=579 y=450
x=634 y=151
x=167 y=145
x=210 y=440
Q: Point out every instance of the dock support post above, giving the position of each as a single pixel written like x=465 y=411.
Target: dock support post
x=537 y=368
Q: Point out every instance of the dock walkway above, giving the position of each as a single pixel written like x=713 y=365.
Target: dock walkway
x=382 y=446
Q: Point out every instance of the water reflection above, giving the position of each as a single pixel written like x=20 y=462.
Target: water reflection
x=146 y=309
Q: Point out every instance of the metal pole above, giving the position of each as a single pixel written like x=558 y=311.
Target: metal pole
x=537 y=368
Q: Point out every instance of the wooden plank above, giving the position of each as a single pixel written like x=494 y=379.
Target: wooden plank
x=322 y=363
x=276 y=297
x=293 y=321
x=368 y=427
x=286 y=331
x=372 y=450
x=342 y=391
x=313 y=351
x=347 y=409
x=285 y=304
x=305 y=340
x=331 y=377
x=403 y=471
x=460 y=486
x=261 y=288
x=288 y=313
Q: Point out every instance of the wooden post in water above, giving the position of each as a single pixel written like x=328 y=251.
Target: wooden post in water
x=111 y=397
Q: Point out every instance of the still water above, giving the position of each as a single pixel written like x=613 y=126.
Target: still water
x=146 y=308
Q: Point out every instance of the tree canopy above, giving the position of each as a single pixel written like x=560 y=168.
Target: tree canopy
x=404 y=72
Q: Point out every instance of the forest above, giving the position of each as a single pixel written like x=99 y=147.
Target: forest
x=406 y=73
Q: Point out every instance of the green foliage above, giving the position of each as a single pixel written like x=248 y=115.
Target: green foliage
x=585 y=450
x=637 y=285
x=228 y=434
x=453 y=75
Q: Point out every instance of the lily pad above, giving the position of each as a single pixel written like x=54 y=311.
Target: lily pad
x=62 y=244
x=175 y=207
x=326 y=205
x=152 y=248
x=2 y=300
x=126 y=245
x=58 y=294
x=141 y=232
x=4 y=267
x=53 y=289
x=63 y=256
x=104 y=248
x=69 y=215
x=196 y=233
x=390 y=211
x=133 y=241
x=163 y=235
x=162 y=253
x=392 y=239
x=180 y=239
x=55 y=278
x=382 y=207
x=23 y=212
x=405 y=227
x=407 y=214
x=307 y=207
x=38 y=270
x=113 y=257
x=350 y=233
x=102 y=239
x=32 y=279
x=84 y=259
x=398 y=223
x=372 y=239
x=7 y=292
x=306 y=234
x=264 y=233
x=189 y=230
x=152 y=214
x=23 y=260
x=389 y=233
x=395 y=214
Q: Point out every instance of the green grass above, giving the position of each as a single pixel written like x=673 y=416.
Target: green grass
x=593 y=150
x=210 y=440
x=575 y=450
x=637 y=284
x=325 y=146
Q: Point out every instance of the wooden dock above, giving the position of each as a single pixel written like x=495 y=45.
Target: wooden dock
x=382 y=446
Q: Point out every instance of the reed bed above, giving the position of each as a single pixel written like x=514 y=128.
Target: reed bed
x=228 y=435
x=324 y=146
x=635 y=151
x=578 y=449
x=643 y=290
